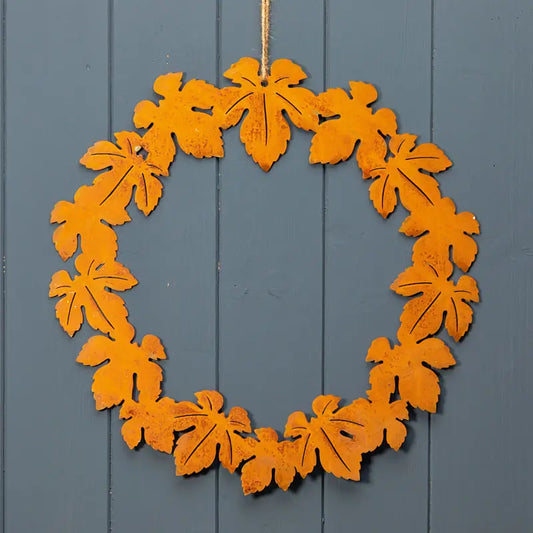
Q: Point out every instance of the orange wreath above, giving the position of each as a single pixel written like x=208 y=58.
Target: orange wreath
x=198 y=434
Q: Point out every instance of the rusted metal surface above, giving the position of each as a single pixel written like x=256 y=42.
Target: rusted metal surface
x=198 y=434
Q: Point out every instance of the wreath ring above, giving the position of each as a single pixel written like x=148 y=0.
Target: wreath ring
x=195 y=113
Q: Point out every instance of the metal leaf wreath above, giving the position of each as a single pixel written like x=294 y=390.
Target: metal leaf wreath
x=198 y=434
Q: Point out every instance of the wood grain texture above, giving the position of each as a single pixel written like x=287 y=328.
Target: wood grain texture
x=173 y=252
x=480 y=463
x=55 y=445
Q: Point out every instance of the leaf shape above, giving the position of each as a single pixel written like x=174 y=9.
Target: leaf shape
x=417 y=384
x=403 y=173
x=270 y=459
x=153 y=419
x=423 y=316
x=265 y=131
x=128 y=169
x=330 y=432
x=444 y=229
x=197 y=449
x=113 y=382
x=177 y=114
x=104 y=310
x=380 y=419
x=335 y=139
x=83 y=219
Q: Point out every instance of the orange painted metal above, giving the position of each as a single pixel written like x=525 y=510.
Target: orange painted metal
x=213 y=433
x=195 y=115
x=270 y=458
x=440 y=300
x=358 y=124
x=441 y=229
x=342 y=435
x=104 y=310
x=179 y=113
x=408 y=363
x=402 y=174
x=125 y=360
x=128 y=169
x=265 y=132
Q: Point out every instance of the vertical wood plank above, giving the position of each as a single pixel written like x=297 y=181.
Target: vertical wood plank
x=271 y=271
x=2 y=253
x=56 y=453
x=387 y=44
x=173 y=253
x=55 y=445
x=481 y=464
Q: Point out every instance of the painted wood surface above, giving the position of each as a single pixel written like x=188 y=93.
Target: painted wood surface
x=268 y=286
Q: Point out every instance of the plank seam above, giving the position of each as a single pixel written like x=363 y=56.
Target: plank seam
x=3 y=284
x=431 y=135
x=323 y=361
x=217 y=255
x=110 y=52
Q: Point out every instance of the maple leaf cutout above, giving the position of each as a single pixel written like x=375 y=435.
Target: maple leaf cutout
x=335 y=139
x=104 y=310
x=265 y=131
x=423 y=316
x=84 y=218
x=177 y=114
x=212 y=430
x=152 y=419
x=380 y=419
x=270 y=459
x=331 y=433
x=128 y=170
x=113 y=382
x=444 y=229
x=409 y=361
x=402 y=173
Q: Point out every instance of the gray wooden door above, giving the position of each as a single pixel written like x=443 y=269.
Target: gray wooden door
x=304 y=262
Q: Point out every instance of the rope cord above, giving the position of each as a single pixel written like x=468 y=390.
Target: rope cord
x=265 y=37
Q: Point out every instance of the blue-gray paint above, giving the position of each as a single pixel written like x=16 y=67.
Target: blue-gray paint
x=304 y=263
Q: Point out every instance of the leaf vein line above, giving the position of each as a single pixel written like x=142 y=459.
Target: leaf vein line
x=145 y=188
x=266 y=118
x=289 y=102
x=383 y=191
x=305 y=448
x=238 y=101
x=433 y=268
x=456 y=315
x=415 y=185
x=335 y=450
x=98 y=307
x=109 y=154
x=423 y=157
x=111 y=277
x=200 y=443
x=230 y=448
x=70 y=308
x=249 y=81
x=116 y=186
x=346 y=420
x=425 y=311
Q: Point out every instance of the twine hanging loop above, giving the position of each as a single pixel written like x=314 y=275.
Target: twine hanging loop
x=265 y=37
